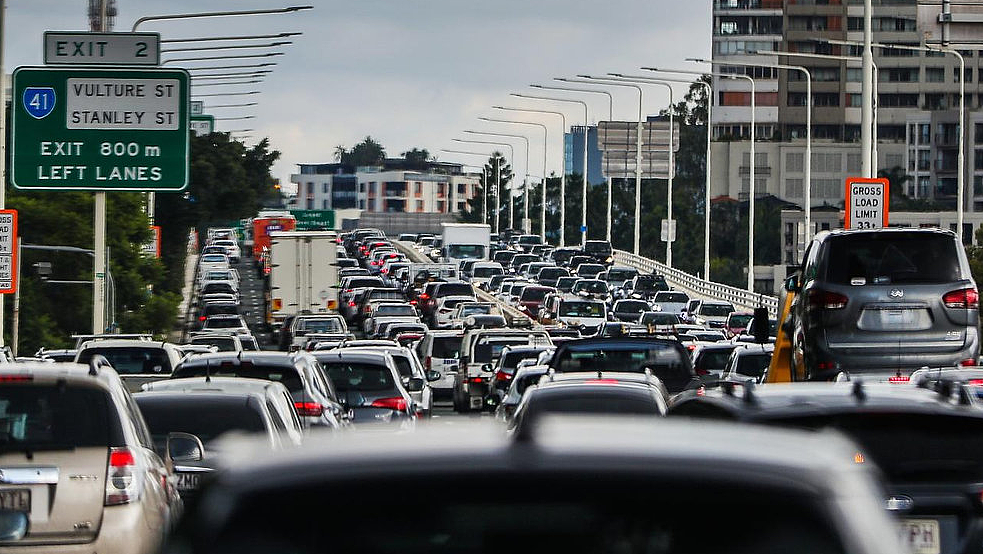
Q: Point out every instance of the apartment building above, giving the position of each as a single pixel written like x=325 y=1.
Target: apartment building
x=917 y=97
x=390 y=188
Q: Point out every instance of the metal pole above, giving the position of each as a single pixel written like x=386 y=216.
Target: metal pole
x=807 y=190
x=498 y=191
x=3 y=145
x=750 y=233
x=867 y=110
x=672 y=172
x=873 y=121
x=961 y=182
x=16 y=330
x=583 y=206
x=99 y=267
x=213 y=14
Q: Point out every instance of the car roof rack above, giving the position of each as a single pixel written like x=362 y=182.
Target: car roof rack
x=96 y=363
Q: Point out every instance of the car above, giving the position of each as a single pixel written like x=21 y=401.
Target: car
x=531 y=270
x=218 y=287
x=137 y=361
x=663 y=358
x=565 y=284
x=226 y=323
x=445 y=310
x=925 y=444
x=591 y=288
x=407 y=237
x=481 y=348
x=305 y=324
x=209 y=415
x=576 y=312
x=482 y=272
x=231 y=249
x=387 y=311
x=588 y=270
x=659 y=322
x=314 y=396
x=414 y=377
x=223 y=342
x=208 y=309
x=737 y=323
x=80 y=472
x=397 y=329
x=596 y=396
x=484 y=321
x=712 y=313
x=883 y=302
x=645 y=286
x=524 y=378
x=440 y=290
x=439 y=351
x=600 y=250
x=503 y=371
x=671 y=301
x=465 y=309
x=213 y=261
x=521 y=259
x=531 y=299
x=629 y=310
x=750 y=362
x=369 y=385
x=617 y=276
x=548 y=276
x=710 y=359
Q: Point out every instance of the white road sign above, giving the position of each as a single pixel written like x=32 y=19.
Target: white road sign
x=137 y=104
x=668 y=230
x=8 y=251
x=74 y=47
x=866 y=203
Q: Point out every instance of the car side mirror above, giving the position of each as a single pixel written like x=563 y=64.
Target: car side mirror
x=415 y=384
x=792 y=284
x=184 y=447
x=434 y=376
x=486 y=368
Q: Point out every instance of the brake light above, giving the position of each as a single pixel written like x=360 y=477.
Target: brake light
x=424 y=296
x=428 y=362
x=603 y=381
x=963 y=298
x=975 y=382
x=351 y=304
x=899 y=379
x=825 y=365
x=413 y=302
x=397 y=403
x=476 y=380
x=384 y=271
x=827 y=299
x=309 y=409
x=968 y=362
x=15 y=378
x=502 y=376
x=122 y=486
x=202 y=318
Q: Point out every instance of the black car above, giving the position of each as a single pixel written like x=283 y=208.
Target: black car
x=629 y=311
x=664 y=358
x=600 y=250
x=505 y=368
x=927 y=445
x=568 y=485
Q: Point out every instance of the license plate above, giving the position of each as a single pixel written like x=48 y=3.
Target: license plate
x=921 y=535
x=18 y=500
x=188 y=481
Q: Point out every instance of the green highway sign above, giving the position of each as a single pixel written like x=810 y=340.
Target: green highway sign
x=314 y=220
x=202 y=124
x=100 y=129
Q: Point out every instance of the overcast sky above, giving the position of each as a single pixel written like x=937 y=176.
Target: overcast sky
x=411 y=73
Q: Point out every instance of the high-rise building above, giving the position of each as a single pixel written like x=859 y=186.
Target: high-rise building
x=917 y=103
x=573 y=153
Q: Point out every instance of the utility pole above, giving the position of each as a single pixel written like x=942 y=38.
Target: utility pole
x=99 y=248
x=867 y=97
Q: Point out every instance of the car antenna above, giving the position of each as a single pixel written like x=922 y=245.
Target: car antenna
x=858 y=391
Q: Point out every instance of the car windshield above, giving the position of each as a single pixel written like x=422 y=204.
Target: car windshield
x=631 y=307
x=395 y=311
x=362 y=377
x=213 y=258
x=581 y=309
x=245 y=369
x=676 y=297
x=205 y=419
x=716 y=310
x=55 y=416
x=620 y=357
x=223 y=323
x=753 y=365
x=583 y=403
x=475 y=310
x=591 y=286
x=659 y=318
x=885 y=258
x=740 y=321
x=483 y=272
x=325 y=325
x=218 y=276
x=534 y=294
x=131 y=360
x=594 y=246
x=621 y=274
x=226 y=309
x=224 y=344
x=466 y=251
x=713 y=359
x=446 y=347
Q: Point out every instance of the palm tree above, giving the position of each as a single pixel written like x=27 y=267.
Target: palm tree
x=339 y=153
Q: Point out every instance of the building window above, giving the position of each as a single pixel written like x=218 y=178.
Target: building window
x=821 y=99
x=969 y=75
x=854 y=74
x=897 y=100
x=324 y=188
x=796 y=99
x=419 y=205
x=825 y=74
x=827 y=163
x=794 y=161
x=461 y=187
x=934 y=74
x=793 y=188
x=324 y=204
x=978 y=159
x=854 y=100
x=898 y=75
x=418 y=188
x=853 y=163
x=828 y=189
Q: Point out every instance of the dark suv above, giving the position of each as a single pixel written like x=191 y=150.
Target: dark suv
x=883 y=301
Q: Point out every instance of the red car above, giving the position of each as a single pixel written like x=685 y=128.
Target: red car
x=737 y=323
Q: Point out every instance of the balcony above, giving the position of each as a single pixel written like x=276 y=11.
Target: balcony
x=759 y=171
x=747 y=4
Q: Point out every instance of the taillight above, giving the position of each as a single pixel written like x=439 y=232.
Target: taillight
x=899 y=379
x=428 y=362
x=502 y=376
x=603 y=381
x=963 y=298
x=968 y=362
x=202 y=318
x=476 y=380
x=122 y=485
x=351 y=304
x=424 y=296
x=397 y=403
x=309 y=409
x=15 y=378
x=823 y=366
x=701 y=371
x=975 y=382
x=827 y=299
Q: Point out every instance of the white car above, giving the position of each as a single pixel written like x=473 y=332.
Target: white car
x=231 y=249
x=585 y=314
x=226 y=323
x=443 y=314
x=439 y=351
x=712 y=313
x=482 y=272
x=230 y=274
x=208 y=262
x=671 y=301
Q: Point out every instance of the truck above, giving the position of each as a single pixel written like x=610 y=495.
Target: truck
x=465 y=241
x=303 y=275
x=266 y=223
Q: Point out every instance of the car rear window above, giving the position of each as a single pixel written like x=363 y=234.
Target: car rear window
x=223 y=323
x=224 y=344
x=446 y=347
x=364 y=282
x=631 y=306
x=660 y=318
x=248 y=370
x=487 y=271
x=35 y=416
x=534 y=294
x=716 y=310
x=713 y=359
x=886 y=258
x=594 y=403
x=630 y=357
x=131 y=360
x=213 y=309
x=753 y=365
x=454 y=289
x=327 y=325
x=739 y=320
x=671 y=297
x=351 y=376
x=203 y=418
x=621 y=274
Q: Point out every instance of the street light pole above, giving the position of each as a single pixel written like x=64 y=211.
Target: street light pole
x=563 y=171
x=583 y=224
x=524 y=182
x=288 y=9
x=498 y=176
x=484 y=180
x=542 y=223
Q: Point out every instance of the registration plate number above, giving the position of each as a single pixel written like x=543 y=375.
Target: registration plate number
x=921 y=536
x=18 y=500
x=188 y=481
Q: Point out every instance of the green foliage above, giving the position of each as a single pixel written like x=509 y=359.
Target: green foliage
x=366 y=153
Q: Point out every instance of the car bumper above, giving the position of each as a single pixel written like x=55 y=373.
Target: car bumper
x=125 y=529
x=885 y=361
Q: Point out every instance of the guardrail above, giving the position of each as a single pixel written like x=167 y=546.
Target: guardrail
x=693 y=285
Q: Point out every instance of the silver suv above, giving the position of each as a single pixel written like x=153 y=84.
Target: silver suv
x=884 y=301
x=78 y=468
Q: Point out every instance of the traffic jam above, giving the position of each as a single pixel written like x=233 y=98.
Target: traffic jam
x=463 y=391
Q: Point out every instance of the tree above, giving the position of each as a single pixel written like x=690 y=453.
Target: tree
x=417 y=158
x=366 y=153
x=503 y=176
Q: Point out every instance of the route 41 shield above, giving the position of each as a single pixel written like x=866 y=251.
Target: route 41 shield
x=39 y=101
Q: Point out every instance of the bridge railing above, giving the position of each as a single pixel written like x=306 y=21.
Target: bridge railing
x=695 y=286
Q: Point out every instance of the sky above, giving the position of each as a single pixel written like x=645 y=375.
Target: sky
x=411 y=73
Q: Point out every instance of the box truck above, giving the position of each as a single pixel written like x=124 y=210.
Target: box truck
x=303 y=274
x=465 y=241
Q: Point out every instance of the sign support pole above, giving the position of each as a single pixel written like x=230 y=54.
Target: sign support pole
x=3 y=144
x=99 y=265
x=15 y=334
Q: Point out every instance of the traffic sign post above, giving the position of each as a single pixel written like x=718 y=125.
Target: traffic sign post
x=81 y=48
x=8 y=251
x=668 y=230
x=197 y=107
x=100 y=129
x=866 y=203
